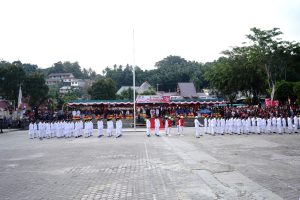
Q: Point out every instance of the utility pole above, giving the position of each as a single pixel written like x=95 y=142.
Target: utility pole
x=133 y=70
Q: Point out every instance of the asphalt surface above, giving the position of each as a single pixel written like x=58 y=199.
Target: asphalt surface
x=137 y=167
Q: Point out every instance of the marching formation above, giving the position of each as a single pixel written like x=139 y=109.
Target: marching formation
x=212 y=126
x=68 y=129
x=251 y=125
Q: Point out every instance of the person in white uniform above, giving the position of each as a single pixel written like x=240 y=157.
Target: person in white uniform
x=148 y=126
x=205 y=125
x=248 y=125
x=296 y=123
x=31 y=130
x=86 y=129
x=156 y=126
x=41 y=130
x=284 y=127
x=110 y=127
x=239 y=126
x=197 y=127
x=100 y=127
x=290 y=125
x=166 y=125
x=119 y=126
x=279 y=125
x=274 y=124
x=91 y=128
x=269 y=125
x=213 y=124
x=48 y=130
x=222 y=126
x=76 y=129
x=253 y=124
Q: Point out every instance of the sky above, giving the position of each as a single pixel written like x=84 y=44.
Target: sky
x=99 y=33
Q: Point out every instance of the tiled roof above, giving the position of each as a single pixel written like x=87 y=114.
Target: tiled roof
x=187 y=90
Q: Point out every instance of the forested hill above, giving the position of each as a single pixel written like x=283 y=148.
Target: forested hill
x=167 y=73
x=74 y=68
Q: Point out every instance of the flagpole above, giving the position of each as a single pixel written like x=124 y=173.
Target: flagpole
x=20 y=97
x=133 y=70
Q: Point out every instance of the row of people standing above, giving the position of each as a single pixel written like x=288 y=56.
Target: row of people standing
x=167 y=126
x=68 y=129
x=251 y=125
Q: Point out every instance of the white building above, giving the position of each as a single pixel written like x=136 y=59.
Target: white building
x=77 y=83
x=64 y=89
x=57 y=78
x=143 y=88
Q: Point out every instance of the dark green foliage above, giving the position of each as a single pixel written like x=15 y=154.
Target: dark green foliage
x=168 y=73
x=296 y=90
x=285 y=92
x=34 y=86
x=74 y=68
x=103 y=89
x=254 y=69
x=11 y=77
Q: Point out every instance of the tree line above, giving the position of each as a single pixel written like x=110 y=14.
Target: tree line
x=264 y=65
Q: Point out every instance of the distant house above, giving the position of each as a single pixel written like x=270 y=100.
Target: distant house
x=53 y=81
x=77 y=83
x=66 y=81
x=124 y=88
x=143 y=88
x=61 y=76
x=64 y=89
x=187 y=90
x=57 y=78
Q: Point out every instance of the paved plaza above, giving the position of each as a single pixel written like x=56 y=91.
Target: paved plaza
x=137 y=167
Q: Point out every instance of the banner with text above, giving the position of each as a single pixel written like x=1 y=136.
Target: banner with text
x=270 y=103
x=152 y=99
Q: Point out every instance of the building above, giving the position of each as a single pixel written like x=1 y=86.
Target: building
x=59 y=78
x=62 y=76
x=77 y=83
x=187 y=90
x=144 y=87
x=139 y=89
x=64 y=89
x=66 y=82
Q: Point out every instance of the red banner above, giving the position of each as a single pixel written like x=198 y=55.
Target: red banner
x=153 y=99
x=270 y=103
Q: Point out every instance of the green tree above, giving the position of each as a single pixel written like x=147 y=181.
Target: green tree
x=221 y=76
x=273 y=54
x=57 y=68
x=29 y=68
x=103 y=89
x=285 y=92
x=73 y=68
x=35 y=87
x=11 y=77
x=296 y=90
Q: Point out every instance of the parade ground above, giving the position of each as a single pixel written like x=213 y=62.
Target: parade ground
x=159 y=168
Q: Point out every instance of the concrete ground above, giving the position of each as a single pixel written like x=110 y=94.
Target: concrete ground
x=136 y=167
